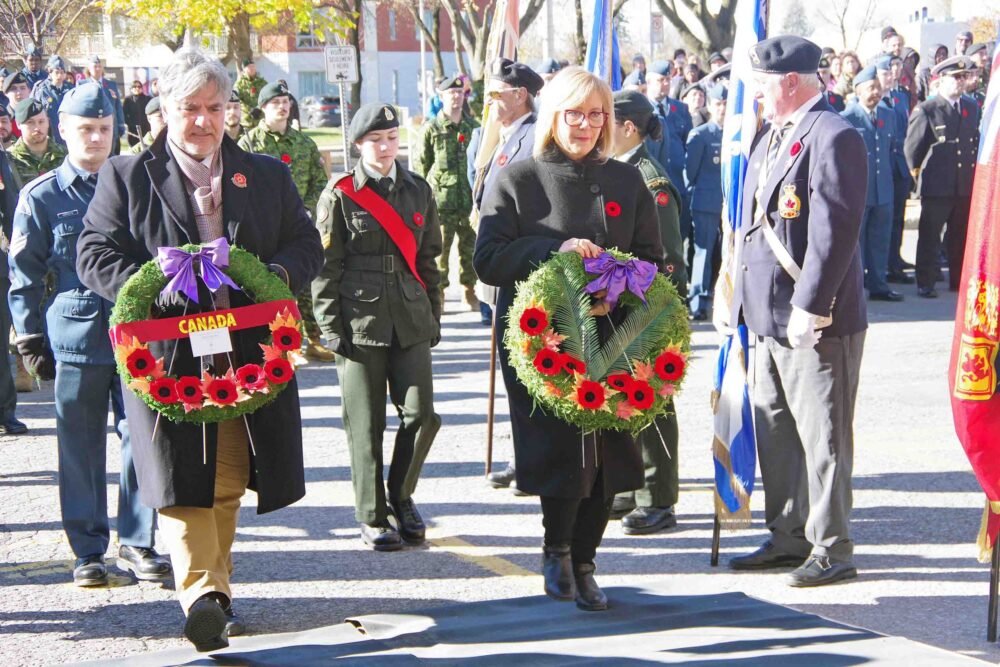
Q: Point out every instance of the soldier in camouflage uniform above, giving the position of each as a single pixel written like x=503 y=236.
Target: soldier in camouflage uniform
x=248 y=87
x=443 y=161
x=156 y=123
x=34 y=153
x=234 y=115
x=275 y=137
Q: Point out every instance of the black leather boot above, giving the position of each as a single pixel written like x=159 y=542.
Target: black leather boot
x=557 y=568
x=589 y=596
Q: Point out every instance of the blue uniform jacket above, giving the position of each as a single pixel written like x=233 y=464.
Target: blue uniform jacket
x=47 y=223
x=670 y=150
x=111 y=88
x=34 y=77
x=51 y=96
x=703 y=173
x=879 y=138
x=900 y=172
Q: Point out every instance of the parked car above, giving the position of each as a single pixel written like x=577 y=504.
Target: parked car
x=319 y=111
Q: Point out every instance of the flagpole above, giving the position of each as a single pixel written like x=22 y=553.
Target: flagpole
x=991 y=621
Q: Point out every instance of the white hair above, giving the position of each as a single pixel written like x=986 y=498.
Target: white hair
x=189 y=71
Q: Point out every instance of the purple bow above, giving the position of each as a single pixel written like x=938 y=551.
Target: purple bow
x=178 y=265
x=635 y=275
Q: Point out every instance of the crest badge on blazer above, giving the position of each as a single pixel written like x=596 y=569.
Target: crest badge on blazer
x=789 y=204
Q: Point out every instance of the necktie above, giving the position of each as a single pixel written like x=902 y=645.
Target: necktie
x=777 y=136
x=874 y=118
x=662 y=109
x=385 y=185
x=88 y=183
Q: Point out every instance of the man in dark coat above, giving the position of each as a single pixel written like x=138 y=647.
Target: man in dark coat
x=195 y=475
x=805 y=188
x=134 y=108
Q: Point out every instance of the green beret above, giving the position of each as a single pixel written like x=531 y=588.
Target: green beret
x=88 y=100
x=785 y=54
x=26 y=109
x=372 y=117
x=153 y=106
x=449 y=82
x=270 y=91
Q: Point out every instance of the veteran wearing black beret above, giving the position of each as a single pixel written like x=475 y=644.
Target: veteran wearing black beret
x=806 y=183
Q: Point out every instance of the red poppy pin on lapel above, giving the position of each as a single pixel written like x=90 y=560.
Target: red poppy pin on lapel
x=239 y=180
x=461 y=138
x=613 y=209
x=881 y=123
x=796 y=148
x=673 y=108
x=418 y=220
x=502 y=160
x=662 y=198
x=965 y=113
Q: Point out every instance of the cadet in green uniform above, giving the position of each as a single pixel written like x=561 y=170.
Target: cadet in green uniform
x=275 y=137
x=35 y=153
x=234 y=114
x=378 y=301
x=651 y=508
x=156 y=123
x=248 y=86
x=442 y=161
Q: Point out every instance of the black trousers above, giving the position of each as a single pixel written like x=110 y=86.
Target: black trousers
x=935 y=212
x=578 y=522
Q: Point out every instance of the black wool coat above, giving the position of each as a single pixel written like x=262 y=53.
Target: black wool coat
x=141 y=204
x=535 y=206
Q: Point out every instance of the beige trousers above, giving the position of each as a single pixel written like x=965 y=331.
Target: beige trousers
x=200 y=539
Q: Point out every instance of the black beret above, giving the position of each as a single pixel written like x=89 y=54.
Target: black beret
x=953 y=65
x=824 y=62
x=691 y=86
x=967 y=35
x=270 y=91
x=634 y=106
x=784 y=54
x=517 y=75
x=12 y=79
x=449 y=82
x=828 y=51
x=888 y=32
x=3 y=111
x=975 y=48
x=548 y=66
x=371 y=117
x=26 y=109
x=153 y=106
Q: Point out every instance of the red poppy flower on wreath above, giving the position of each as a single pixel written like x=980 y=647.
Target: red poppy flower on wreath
x=590 y=395
x=641 y=395
x=669 y=366
x=662 y=199
x=418 y=220
x=140 y=363
x=571 y=364
x=164 y=390
x=189 y=390
x=287 y=338
x=534 y=321
x=620 y=381
x=278 y=371
x=796 y=148
x=222 y=391
x=548 y=362
x=613 y=209
x=286 y=158
x=251 y=377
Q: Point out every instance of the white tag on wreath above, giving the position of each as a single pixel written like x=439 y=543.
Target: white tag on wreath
x=210 y=342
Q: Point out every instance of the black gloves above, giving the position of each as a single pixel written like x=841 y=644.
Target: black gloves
x=37 y=357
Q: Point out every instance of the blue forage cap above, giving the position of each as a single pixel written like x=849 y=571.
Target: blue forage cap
x=785 y=54
x=867 y=74
x=718 y=92
x=56 y=62
x=662 y=67
x=88 y=100
x=636 y=78
x=32 y=51
x=883 y=63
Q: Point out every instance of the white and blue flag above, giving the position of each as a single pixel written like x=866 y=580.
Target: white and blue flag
x=603 y=59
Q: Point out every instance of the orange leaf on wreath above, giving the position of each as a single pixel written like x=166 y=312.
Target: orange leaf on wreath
x=553 y=389
x=296 y=358
x=667 y=390
x=643 y=371
x=128 y=345
x=283 y=319
x=552 y=340
x=139 y=385
x=271 y=352
x=625 y=411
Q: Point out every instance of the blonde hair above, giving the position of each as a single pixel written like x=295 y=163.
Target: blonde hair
x=570 y=87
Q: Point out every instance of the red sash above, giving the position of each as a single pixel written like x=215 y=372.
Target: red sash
x=386 y=216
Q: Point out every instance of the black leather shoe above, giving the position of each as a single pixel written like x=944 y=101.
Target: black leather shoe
x=382 y=537
x=502 y=479
x=622 y=506
x=205 y=626
x=900 y=278
x=645 y=520
x=144 y=563
x=891 y=295
x=90 y=571
x=485 y=313
x=589 y=596
x=13 y=427
x=557 y=570
x=927 y=293
x=819 y=571
x=408 y=521
x=907 y=266
x=766 y=558
x=234 y=622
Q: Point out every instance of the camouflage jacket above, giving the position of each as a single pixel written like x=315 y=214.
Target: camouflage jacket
x=28 y=167
x=248 y=88
x=296 y=150
x=442 y=160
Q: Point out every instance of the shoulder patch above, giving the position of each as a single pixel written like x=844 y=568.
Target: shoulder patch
x=658 y=183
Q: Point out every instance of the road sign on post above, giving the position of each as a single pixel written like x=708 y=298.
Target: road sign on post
x=341 y=69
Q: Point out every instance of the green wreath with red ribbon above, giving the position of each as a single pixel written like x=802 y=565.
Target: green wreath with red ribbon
x=207 y=398
x=623 y=383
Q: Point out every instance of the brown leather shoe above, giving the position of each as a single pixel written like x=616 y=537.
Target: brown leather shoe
x=316 y=351
x=472 y=299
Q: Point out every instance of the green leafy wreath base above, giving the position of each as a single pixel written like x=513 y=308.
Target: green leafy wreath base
x=647 y=330
x=134 y=304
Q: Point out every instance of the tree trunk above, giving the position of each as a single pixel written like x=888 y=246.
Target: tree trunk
x=719 y=27
x=239 y=37
x=581 y=41
x=354 y=37
x=438 y=59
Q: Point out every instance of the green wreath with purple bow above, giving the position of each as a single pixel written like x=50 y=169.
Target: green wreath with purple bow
x=622 y=383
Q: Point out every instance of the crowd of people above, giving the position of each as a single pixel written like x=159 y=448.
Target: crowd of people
x=366 y=252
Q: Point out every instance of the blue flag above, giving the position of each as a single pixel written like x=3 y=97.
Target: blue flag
x=603 y=59
x=734 y=444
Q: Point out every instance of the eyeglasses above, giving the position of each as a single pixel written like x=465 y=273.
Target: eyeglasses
x=497 y=94
x=594 y=118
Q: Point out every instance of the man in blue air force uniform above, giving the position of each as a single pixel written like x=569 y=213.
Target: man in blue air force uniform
x=72 y=347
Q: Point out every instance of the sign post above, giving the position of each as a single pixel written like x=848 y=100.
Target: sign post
x=341 y=69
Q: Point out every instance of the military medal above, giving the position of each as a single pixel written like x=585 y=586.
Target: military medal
x=789 y=204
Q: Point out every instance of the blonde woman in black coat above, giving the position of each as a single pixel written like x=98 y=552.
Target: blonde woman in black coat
x=569 y=197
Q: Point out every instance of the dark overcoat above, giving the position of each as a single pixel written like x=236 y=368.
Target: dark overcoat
x=141 y=204
x=943 y=143
x=535 y=206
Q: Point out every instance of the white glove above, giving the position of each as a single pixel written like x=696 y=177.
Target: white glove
x=802 y=332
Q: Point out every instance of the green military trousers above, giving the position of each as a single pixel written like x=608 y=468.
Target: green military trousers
x=660 y=488
x=363 y=381
x=456 y=223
